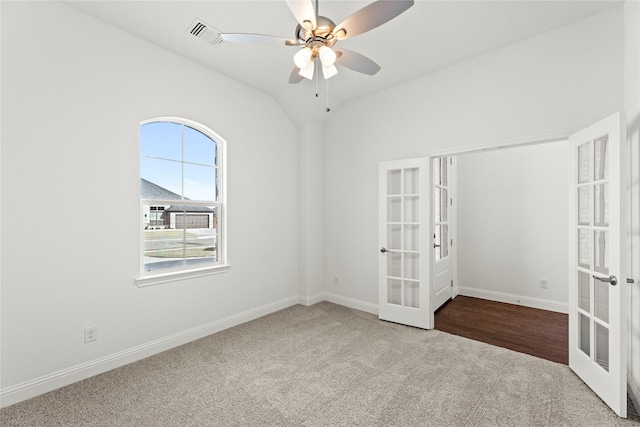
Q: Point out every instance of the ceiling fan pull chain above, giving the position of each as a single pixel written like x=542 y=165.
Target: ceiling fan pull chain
x=328 y=108
x=317 y=78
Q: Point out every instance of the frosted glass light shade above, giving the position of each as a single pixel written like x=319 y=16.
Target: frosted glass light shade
x=329 y=72
x=327 y=56
x=302 y=58
x=307 y=72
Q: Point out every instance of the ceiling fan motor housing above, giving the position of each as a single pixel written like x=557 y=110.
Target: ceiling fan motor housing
x=321 y=35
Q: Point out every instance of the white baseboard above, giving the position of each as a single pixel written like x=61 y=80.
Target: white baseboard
x=351 y=303
x=50 y=382
x=310 y=300
x=532 y=302
x=634 y=392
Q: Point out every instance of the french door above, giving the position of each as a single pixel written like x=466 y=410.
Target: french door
x=442 y=282
x=404 y=292
x=598 y=291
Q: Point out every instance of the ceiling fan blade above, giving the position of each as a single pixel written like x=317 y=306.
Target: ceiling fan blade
x=370 y=17
x=257 y=39
x=356 y=62
x=304 y=12
x=295 y=76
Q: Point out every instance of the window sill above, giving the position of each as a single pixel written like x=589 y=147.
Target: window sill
x=174 y=276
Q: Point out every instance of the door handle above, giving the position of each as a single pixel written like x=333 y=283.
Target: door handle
x=611 y=279
x=435 y=246
x=383 y=250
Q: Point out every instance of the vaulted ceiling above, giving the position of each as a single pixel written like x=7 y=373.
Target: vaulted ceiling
x=430 y=36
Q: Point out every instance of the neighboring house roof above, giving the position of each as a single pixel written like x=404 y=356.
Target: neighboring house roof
x=189 y=209
x=149 y=190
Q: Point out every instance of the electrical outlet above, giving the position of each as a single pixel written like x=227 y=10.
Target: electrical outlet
x=90 y=334
x=544 y=283
x=336 y=282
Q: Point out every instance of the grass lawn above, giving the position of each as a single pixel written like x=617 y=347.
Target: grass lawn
x=164 y=234
x=199 y=252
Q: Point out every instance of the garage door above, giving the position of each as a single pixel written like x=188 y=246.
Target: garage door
x=192 y=221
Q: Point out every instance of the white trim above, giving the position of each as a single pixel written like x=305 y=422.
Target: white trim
x=351 y=303
x=173 y=276
x=311 y=300
x=53 y=381
x=544 y=304
x=634 y=392
x=506 y=143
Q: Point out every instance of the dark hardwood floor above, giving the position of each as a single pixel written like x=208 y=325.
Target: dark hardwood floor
x=537 y=332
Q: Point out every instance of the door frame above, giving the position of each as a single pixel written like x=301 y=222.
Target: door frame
x=453 y=229
x=491 y=146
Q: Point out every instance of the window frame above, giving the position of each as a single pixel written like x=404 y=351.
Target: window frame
x=156 y=277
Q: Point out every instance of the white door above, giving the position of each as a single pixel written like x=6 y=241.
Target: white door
x=598 y=292
x=442 y=282
x=404 y=295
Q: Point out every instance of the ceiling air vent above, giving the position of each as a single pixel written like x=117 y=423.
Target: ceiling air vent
x=205 y=32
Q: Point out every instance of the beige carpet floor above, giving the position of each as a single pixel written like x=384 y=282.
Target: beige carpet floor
x=325 y=365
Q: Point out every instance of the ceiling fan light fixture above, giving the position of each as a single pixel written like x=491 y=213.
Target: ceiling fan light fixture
x=307 y=72
x=329 y=71
x=302 y=59
x=327 y=56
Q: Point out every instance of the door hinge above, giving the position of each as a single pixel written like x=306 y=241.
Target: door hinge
x=451 y=242
x=452 y=283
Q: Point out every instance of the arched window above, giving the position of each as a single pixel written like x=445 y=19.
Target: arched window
x=182 y=197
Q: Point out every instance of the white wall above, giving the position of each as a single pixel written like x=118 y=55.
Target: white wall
x=512 y=225
x=632 y=109
x=73 y=93
x=550 y=84
x=311 y=213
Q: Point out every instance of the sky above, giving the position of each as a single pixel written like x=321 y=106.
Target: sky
x=162 y=147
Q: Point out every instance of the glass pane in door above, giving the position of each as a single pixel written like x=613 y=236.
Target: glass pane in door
x=601 y=205
x=411 y=294
x=411 y=181
x=584 y=333
x=583 y=206
x=602 y=346
x=394 y=182
x=601 y=251
x=601 y=170
x=394 y=291
x=601 y=300
x=584 y=161
x=584 y=248
x=584 y=291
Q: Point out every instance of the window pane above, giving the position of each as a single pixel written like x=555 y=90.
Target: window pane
x=601 y=300
x=394 y=236
x=584 y=333
x=584 y=153
x=444 y=205
x=584 y=246
x=394 y=182
x=583 y=206
x=394 y=209
x=161 y=139
x=411 y=209
x=199 y=182
x=198 y=147
x=584 y=291
x=601 y=170
x=601 y=205
x=163 y=248
x=411 y=294
x=601 y=251
x=411 y=181
x=443 y=171
x=411 y=237
x=602 y=346
x=164 y=179
x=411 y=266
x=394 y=291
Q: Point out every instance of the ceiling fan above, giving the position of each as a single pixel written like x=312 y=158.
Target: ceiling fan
x=317 y=35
